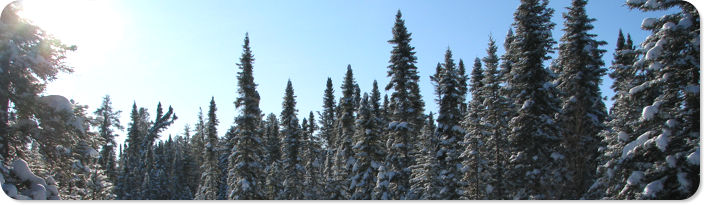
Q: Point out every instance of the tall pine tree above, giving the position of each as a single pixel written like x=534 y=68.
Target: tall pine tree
x=246 y=175
x=537 y=160
x=210 y=179
x=579 y=68
x=291 y=136
x=406 y=113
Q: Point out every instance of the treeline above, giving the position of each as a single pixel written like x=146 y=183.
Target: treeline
x=507 y=128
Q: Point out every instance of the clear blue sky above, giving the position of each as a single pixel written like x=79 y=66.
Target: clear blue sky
x=183 y=52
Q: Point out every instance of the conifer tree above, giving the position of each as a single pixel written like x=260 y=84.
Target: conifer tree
x=494 y=126
x=663 y=161
x=623 y=109
x=108 y=120
x=534 y=137
x=30 y=59
x=449 y=131
x=406 y=113
x=474 y=161
x=312 y=155
x=463 y=87
x=579 y=68
x=424 y=173
x=210 y=179
x=246 y=174
x=273 y=143
x=368 y=150
x=345 y=129
x=327 y=133
x=291 y=159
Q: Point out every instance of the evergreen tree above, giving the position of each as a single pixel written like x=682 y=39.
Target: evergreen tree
x=246 y=168
x=494 y=124
x=210 y=179
x=463 y=87
x=345 y=129
x=30 y=58
x=424 y=173
x=622 y=111
x=663 y=161
x=273 y=143
x=534 y=136
x=313 y=160
x=579 y=68
x=449 y=132
x=291 y=139
x=197 y=145
x=474 y=159
x=327 y=133
x=368 y=149
x=107 y=121
x=406 y=113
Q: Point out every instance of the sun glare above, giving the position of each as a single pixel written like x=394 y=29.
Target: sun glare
x=92 y=25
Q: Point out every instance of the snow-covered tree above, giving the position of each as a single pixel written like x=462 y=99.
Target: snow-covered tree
x=475 y=161
x=579 y=69
x=327 y=133
x=449 y=131
x=406 y=113
x=312 y=158
x=494 y=126
x=368 y=150
x=623 y=74
x=663 y=161
x=210 y=178
x=424 y=173
x=245 y=178
x=345 y=129
x=272 y=140
x=536 y=161
x=291 y=146
x=29 y=58
x=108 y=122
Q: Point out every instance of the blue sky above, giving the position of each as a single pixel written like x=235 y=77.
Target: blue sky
x=183 y=52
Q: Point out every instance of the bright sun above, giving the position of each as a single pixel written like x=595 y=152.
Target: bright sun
x=95 y=26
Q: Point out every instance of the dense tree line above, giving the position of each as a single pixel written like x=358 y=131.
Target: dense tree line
x=513 y=128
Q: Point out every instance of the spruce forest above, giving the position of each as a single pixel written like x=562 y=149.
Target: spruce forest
x=514 y=125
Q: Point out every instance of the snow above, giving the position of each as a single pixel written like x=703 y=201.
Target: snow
x=636 y=1
x=650 y=111
x=662 y=140
x=694 y=158
x=557 y=156
x=634 y=144
x=654 y=187
x=671 y=161
x=21 y=170
x=654 y=52
x=623 y=136
x=686 y=21
x=489 y=189
x=38 y=192
x=648 y=22
x=668 y=26
x=526 y=104
x=58 y=103
x=10 y=190
x=639 y=88
x=635 y=177
x=671 y=123
x=683 y=181
x=652 y=4
x=656 y=66
x=93 y=153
